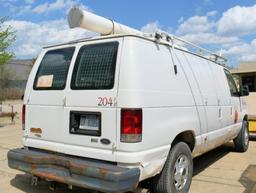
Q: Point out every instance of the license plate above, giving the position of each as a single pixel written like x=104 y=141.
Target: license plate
x=89 y=122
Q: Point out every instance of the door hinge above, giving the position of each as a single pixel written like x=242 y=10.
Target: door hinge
x=205 y=101
x=113 y=147
x=64 y=101
x=220 y=113
x=218 y=102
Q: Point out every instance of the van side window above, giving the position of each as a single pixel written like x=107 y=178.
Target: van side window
x=95 y=67
x=52 y=72
x=231 y=83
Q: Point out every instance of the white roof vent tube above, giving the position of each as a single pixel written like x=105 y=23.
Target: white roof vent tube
x=87 y=20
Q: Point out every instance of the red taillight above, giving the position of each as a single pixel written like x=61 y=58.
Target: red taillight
x=131 y=125
x=23 y=116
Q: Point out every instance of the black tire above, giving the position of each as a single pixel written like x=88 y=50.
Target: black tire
x=242 y=140
x=165 y=182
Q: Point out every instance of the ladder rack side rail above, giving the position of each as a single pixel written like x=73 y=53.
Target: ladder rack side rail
x=175 y=38
x=200 y=48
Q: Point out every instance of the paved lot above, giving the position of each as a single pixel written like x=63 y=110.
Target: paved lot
x=219 y=171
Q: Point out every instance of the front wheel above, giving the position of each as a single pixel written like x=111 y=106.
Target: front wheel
x=177 y=173
x=242 y=140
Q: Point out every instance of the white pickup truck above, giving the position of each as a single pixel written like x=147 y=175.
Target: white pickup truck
x=109 y=112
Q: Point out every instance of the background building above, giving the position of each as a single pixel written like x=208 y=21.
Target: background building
x=245 y=74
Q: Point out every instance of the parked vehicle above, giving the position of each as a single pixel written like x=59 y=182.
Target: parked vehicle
x=109 y=112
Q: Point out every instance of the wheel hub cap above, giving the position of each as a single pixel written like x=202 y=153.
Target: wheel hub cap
x=181 y=172
x=246 y=136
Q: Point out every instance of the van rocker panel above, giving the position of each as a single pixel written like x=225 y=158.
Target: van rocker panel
x=85 y=173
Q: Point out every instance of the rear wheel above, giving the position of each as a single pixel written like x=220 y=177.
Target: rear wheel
x=176 y=175
x=242 y=140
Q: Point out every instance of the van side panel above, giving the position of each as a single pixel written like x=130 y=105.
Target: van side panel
x=227 y=103
x=148 y=81
x=223 y=94
x=236 y=108
x=183 y=59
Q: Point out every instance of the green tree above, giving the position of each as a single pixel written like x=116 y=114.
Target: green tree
x=7 y=37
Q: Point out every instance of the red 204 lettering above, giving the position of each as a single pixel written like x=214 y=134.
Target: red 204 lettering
x=105 y=101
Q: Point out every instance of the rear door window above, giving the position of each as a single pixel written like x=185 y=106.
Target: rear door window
x=95 y=67
x=53 y=70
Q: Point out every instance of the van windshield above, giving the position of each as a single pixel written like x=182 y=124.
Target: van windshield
x=95 y=67
x=53 y=69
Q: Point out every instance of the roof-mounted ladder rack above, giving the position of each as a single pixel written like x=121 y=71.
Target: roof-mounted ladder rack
x=195 y=48
x=87 y=20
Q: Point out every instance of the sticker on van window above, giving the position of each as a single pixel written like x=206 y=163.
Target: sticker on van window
x=45 y=81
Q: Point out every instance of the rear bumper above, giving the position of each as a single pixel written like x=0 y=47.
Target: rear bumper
x=86 y=173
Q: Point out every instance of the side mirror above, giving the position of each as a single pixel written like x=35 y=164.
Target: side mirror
x=244 y=90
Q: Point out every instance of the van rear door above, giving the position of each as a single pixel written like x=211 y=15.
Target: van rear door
x=44 y=97
x=73 y=101
x=91 y=100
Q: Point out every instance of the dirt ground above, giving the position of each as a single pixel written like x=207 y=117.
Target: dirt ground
x=219 y=171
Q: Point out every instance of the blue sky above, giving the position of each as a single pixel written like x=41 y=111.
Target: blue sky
x=229 y=26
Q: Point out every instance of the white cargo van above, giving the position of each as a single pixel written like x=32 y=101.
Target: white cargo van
x=109 y=112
